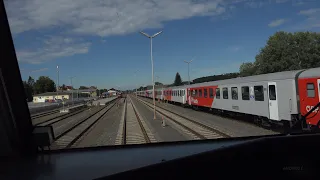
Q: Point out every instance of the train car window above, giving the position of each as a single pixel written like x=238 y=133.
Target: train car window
x=225 y=93
x=272 y=92
x=180 y=93
x=210 y=93
x=205 y=93
x=258 y=93
x=193 y=93
x=234 y=93
x=310 y=90
x=245 y=93
x=200 y=92
x=196 y=93
x=218 y=93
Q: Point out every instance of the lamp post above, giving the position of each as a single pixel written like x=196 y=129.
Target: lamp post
x=151 y=37
x=188 y=62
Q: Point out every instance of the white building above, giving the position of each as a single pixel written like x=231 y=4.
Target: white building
x=50 y=96
x=112 y=92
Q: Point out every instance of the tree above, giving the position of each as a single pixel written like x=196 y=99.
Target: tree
x=177 y=80
x=216 y=77
x=158 y=83
x=44 y=84
x=288 y=51
x=31 y=84
x=28 y=91
x=247 y=69
x=63 y=88
x=83 y=87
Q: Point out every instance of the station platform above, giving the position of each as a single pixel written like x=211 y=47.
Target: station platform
x=103 y=101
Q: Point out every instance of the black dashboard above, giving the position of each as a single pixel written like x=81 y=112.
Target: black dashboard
x=270 y=157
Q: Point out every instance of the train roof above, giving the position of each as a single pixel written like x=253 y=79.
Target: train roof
x=313 y=72
x=261 y=77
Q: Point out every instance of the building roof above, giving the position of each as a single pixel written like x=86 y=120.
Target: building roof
x=52 y=94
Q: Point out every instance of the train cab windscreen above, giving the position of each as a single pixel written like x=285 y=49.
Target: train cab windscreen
x=108 y=73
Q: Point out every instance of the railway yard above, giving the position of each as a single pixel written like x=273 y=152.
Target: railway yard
x=130 y=120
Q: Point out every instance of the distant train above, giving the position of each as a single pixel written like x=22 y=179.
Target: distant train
x=275 y=98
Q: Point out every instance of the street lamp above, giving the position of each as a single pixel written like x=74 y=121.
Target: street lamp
x=151 y=37
x=72 y=87
x=188 y=62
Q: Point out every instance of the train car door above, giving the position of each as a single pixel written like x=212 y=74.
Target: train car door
x=319 y=88
x=273 y=101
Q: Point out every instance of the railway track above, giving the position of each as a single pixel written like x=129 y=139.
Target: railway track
x=189 y=126
x=70 y=135
x=36 y=116
x=59 y=118
x=133 y=128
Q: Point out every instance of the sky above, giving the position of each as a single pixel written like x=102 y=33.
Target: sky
x=98 y=42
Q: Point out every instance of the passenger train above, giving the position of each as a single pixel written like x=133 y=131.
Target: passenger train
x=276 y=98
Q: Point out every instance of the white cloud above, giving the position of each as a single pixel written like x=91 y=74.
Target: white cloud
x=310 y=11
x=104 y=18
x=54 y=47
x=32 y=71
x=101 y=18
x=281 y=1
x=276 y=22
x=312 y=19
x=256 y=4
x=298 y=2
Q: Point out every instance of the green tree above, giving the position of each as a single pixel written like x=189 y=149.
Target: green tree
x=83 y=87
x=31 y=83
x=247 y=69
x=216 y=77
x=158 y=83
x=63 y=88
x=288 y=51
x=177 y=80
x=44 y=84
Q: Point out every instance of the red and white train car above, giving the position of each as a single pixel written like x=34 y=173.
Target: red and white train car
x=280 y=97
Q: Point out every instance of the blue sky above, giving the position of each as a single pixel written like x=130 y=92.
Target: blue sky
x=99 y=43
